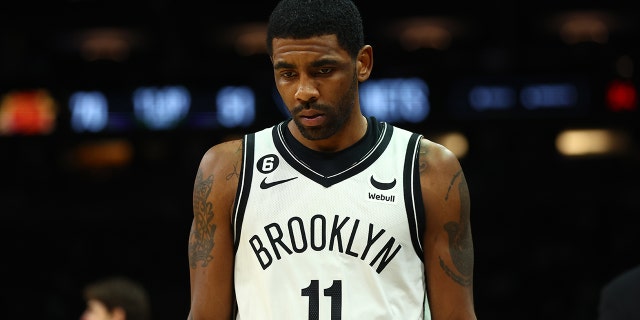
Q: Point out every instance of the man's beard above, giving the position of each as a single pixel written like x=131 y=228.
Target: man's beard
x=336 y=116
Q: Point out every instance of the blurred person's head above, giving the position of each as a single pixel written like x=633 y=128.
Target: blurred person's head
x=116 y=298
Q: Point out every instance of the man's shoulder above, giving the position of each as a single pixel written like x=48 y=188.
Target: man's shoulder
x=229 y=145
x=223 y=153
x=230 y=149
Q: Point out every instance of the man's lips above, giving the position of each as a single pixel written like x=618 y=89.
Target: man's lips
x=311 y=118
x=310 y=114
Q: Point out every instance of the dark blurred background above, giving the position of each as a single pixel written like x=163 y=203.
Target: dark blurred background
x=539 y=97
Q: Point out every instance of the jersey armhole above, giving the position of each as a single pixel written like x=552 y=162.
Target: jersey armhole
x=413 y=193
x=244 y=185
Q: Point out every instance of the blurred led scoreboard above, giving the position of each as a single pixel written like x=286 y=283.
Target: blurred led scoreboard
x=162 y=108
x=397 y=100
x=518 y=97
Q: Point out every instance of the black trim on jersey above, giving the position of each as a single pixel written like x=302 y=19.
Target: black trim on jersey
x=330 y=163
x=369 y=158
x=413 y=193
x=244 y=186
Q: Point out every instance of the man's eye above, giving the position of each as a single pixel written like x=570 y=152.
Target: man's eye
x=324 y=70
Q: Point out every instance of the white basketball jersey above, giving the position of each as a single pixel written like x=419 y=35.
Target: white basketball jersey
x=345 y=246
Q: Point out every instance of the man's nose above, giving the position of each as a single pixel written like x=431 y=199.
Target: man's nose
x=307 y=90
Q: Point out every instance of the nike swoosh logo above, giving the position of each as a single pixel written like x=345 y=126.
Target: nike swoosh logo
x=266 y=185
x=383 y=185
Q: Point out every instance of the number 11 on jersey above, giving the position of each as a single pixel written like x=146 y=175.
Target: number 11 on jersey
x=334 y=293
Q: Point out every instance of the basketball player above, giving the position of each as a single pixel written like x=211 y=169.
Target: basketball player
x=330 y=214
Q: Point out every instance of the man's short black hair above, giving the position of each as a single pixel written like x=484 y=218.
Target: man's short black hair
x=119 y=291
x=300 y=19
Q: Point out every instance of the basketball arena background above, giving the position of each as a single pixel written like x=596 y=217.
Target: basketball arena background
x=107 y=106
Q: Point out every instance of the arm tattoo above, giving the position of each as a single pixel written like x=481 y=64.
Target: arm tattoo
x=203 y=228
x=235 y=173
x=460 y=242
x=446 y=197
x=459 y=232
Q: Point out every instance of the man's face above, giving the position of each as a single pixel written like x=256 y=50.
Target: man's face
x=316 y=80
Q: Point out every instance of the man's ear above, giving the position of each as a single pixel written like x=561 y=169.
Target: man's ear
x=364 y=64
x=118 y=314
